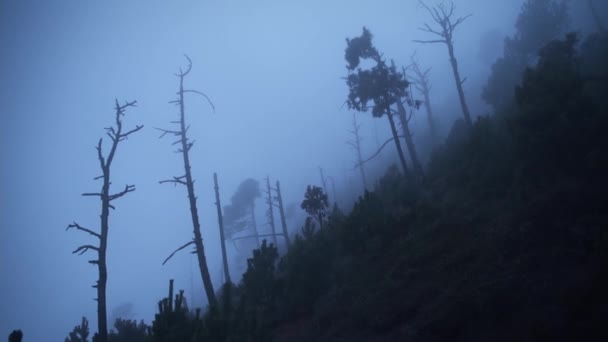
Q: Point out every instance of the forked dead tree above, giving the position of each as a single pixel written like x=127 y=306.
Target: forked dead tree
x=116 y=135
x=442 y=16
x=187 y=180
x=421 y=82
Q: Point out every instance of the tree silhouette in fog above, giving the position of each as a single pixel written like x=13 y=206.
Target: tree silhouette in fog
x=442 y=15
x=116 y=135
x=184 y=148
x=382 y=85
x=316 y=204
x=539 y=22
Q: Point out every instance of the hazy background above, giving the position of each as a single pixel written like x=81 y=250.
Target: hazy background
x=274 y=72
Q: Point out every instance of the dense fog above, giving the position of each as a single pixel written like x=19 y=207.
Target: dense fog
x=274 y=71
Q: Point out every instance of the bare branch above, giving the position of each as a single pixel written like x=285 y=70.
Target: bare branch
x=203 y=94
x=92 y=194
x=79 y=227
x=377 y=152
x=128 y=188
x=137 y=128
x=430 y=41
x=167 y=131
x=102 y=161
x=175 y=180
x=177 y=250
x=84 y=248
x=184 y=73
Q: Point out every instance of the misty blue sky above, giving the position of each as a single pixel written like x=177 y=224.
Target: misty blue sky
x=273 y=70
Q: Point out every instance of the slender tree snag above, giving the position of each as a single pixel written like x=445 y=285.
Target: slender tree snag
x=443 y=17
x=220 y=221
x=116 y=135
x=255 y=225
x=282 y=213
x=356 y=146
x=422 y=84
x=270 y=211
x=185 y=146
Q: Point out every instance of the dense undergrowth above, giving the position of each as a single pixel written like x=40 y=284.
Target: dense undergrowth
x=505 y=240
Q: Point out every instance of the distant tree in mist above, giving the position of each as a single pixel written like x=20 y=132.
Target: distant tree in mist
x=443 y=16
x=80 y=333
x=539 y=22
x=239 y=214
x=420 y=79
x=186 y=180
x=382 y=85
x=116 y=134
x=316 y=204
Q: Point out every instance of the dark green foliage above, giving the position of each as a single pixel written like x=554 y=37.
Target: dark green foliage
x=381 y=84
x=15 y=336
x=126 y=330
x=316 y=205
x=80 y=332
x=539 y=22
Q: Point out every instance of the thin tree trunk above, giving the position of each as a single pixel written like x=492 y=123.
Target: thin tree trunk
x=271 y=212
x=356 y=144
x=255 y=225
x=282 y=213
x=406 y=171
x=116 y=135
x=220 y=221
x=198 y=239
x=409 y=142
x=459 y=82
x=429 y=115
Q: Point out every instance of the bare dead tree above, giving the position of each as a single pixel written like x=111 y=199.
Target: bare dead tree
x=187 y=180
x=442 y=15
x=421 y=82
x=279 y=199
x=116 y=135
x=356 y=146
x=270 y=211
x=220 y=221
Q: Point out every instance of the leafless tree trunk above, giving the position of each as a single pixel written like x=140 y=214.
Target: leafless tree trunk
x=255 y=225
x=443 y=17
x=220 y=221
x=270 y=211
x=282 y=213
x=117 y=135
x=422 y=84
x=409 y=141
x=396 y=136
x=356 y=145
x=187 y=180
